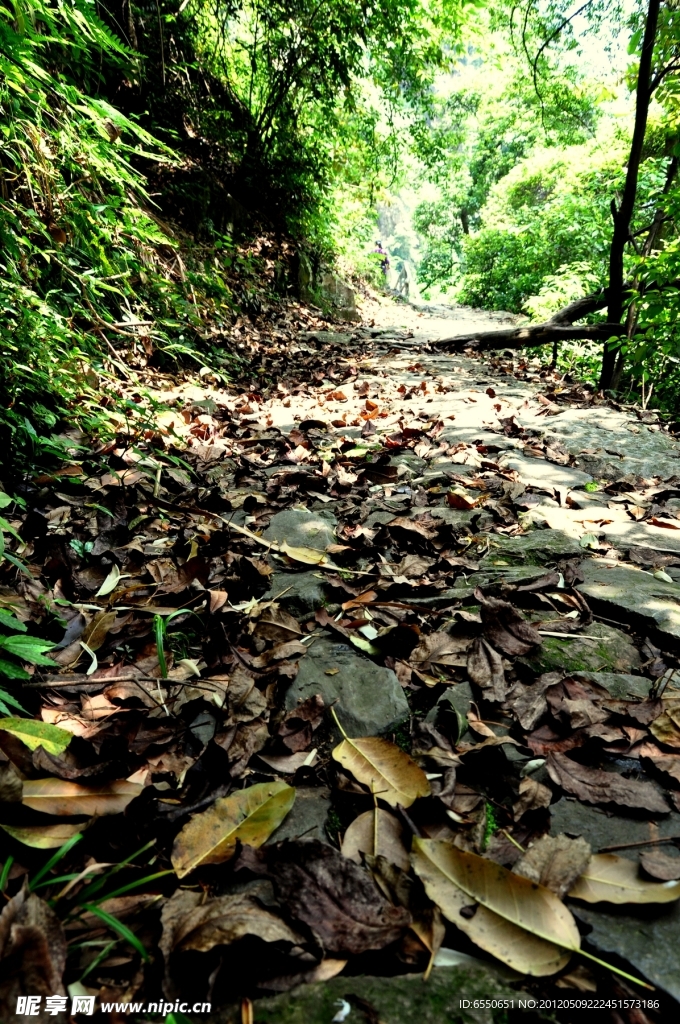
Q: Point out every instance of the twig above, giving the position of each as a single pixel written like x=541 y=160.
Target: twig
x=642 y=842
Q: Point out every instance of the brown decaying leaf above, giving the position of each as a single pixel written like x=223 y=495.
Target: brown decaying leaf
x=662 y=866
x=662 y=761
x=361 y=836
x=59 y=797
x=518 y=921
x=594 y=786
x=248 y=815
x=485 y=668
x=532 y=795
x=555 y=862
x=612 y=879
x=332 y=895
x=33 y=947
x=297 y=728
x=666 y=731
x=506 y=627
x=389 y=773
x=529 y=703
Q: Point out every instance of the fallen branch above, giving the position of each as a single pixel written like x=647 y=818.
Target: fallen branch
x=535 y=334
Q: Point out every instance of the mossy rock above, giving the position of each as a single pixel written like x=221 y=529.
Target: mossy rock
x=610 y=650
x=402 y=1000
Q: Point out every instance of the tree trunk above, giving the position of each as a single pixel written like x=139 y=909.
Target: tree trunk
x=623 y=215
x=534 y=334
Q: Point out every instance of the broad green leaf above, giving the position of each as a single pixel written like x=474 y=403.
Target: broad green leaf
x=28 y=648
x=249 y=815
x=5 y=500
x=38 y=734
x=10 y=621
x=11 y=670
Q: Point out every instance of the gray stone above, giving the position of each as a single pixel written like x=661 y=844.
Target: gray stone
x=300 y=593
x=619 y=684
x=369 y=698
x=647 y=938
x=462 y=517
x=541 y=473
x=611 y=650
x=307 y=816
x=634 y=596
x=302 y=529
x=538 y=547
x=397 y=1000
x=602 y=829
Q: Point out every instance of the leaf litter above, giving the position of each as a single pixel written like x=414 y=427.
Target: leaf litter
x=157 y=764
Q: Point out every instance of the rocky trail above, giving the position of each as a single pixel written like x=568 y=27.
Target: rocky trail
x=363 y=676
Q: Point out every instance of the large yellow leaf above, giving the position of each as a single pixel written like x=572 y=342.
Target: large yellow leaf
x=384 y=767
x=38 y=734
x=520 y=922
x=56 y=796
x=43 y=837
x=613 y=879
x=250 y=815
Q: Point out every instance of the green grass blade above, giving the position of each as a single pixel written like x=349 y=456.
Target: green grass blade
x=119 y=927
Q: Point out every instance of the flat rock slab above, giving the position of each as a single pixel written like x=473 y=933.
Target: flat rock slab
x=396 y=1000
x=614 y=524
x=603 y=829
x=620 y=684
x=369 y=698
x=538 y=547
x=633 y=596
x=597 y=648
x=301 y=593
x=647 y=938
x=541 y=473
x=307 y=817
x=302 y=529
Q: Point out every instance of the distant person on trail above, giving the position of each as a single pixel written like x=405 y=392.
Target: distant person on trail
x=385 y=261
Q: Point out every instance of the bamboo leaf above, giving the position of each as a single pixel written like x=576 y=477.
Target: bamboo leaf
x=250 y=815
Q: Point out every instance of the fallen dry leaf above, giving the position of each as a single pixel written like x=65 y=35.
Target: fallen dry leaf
x=485 y=668
x=662 y=866
x=518 y=921
x=612 y=879
x=385 y=768
x=555 y=862
x=248 y=815
x=594 y=786
x=333 y=896
x=376 y=832
x=59 y=797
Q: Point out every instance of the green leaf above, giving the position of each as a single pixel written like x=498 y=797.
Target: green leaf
x=36 y=734
x=28 y=648
x=5 y=500
x=54 y=859
x=10 y=670
x=10 y=621
x=7 y=699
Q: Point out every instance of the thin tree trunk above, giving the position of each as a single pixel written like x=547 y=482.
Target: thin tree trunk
x=623 y=215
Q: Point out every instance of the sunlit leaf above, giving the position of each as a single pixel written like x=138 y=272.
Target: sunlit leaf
x=249 y=816
x=34 y=734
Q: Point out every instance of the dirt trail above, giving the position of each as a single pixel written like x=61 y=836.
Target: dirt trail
x=472 y=559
